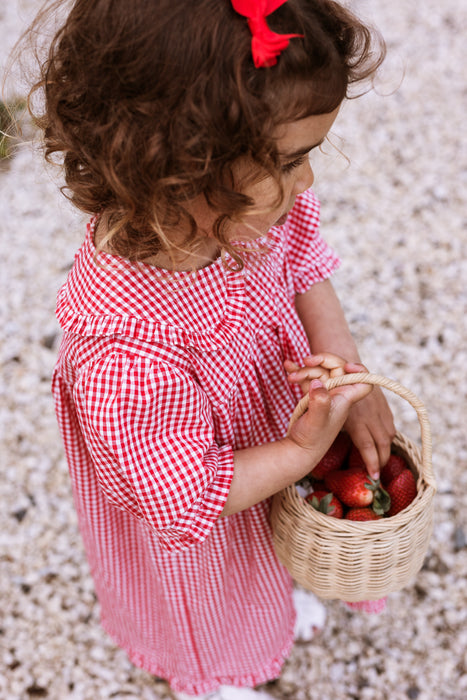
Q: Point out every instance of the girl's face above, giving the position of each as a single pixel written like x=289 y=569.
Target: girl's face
x=295 y=142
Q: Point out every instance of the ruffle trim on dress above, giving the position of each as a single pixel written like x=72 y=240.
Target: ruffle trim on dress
x=193 y=527
x=75 y=309
x=249 y=680
x=306 y=276
x=151 y=331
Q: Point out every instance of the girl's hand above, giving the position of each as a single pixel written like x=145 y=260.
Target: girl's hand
x=370 y=422
x=370 y=425
x=263 y=470
x=327 y=410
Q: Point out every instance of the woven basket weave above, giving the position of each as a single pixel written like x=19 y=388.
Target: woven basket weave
x=355 y=561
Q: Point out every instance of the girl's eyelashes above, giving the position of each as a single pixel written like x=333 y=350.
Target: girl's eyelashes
x=288 y=167
x=297 y=162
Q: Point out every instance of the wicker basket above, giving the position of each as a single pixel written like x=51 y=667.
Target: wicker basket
x=355 y=561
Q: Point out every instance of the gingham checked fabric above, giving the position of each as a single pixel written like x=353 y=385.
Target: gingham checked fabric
x=159 y=379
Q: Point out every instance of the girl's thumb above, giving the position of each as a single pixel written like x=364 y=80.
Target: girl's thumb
x=354 y=392
x=316 y=384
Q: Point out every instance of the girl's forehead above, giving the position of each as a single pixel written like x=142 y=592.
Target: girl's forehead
x=302 y=135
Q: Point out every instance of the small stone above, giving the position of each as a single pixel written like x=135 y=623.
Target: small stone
x=36 y=691
x=20 y=514
x=48 y=341
x=460 y=539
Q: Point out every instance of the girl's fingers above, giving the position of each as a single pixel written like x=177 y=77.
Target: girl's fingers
x=371 y=426
x=348 y=368
x=325 y=360
x=313 y=360
x=313 y=424
x=352 y=367
x=321 y=367
x=369 y=449
x=331 y=361
x=290 y=366
x=372 y=460
x=307 y=374
x=353 y=392
x=337 y=372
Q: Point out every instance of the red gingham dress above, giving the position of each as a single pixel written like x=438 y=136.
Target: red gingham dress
x=160 y=377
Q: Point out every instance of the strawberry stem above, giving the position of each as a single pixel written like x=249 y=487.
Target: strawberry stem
x=323 y=505
x=381 y=499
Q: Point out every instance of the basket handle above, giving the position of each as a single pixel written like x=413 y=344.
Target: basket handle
x=378 y=380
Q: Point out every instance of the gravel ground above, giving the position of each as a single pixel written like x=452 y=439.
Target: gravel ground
x=397 y=216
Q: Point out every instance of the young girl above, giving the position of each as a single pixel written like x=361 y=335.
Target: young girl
x=192 y=310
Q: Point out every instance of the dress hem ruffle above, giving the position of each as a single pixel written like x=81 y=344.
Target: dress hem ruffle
x=247 y=680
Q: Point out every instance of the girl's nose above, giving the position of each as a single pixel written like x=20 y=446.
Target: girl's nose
x=305 y=178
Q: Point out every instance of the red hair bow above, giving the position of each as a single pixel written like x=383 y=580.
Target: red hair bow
x=266 y=45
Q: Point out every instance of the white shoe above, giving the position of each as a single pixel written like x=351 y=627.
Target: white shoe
x=311 y=615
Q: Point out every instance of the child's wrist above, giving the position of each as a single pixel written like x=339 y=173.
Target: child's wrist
x=300 y=457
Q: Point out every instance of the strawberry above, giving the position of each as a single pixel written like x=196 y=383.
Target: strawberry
x=402 y=490
x=394 y=466
x=319 y=486
x=351 y=486
x=356 y=489
x=334 y=457
x=362 y=514
x=325 y=502
x=356 y=459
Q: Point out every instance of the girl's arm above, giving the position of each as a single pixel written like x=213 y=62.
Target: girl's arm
x=370 y=422
x=261 y=471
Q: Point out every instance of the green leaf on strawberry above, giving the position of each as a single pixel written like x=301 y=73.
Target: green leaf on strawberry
x=327 y=503
x=381 y=499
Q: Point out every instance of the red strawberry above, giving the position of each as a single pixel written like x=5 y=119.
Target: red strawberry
x=356 y=459
x=352 y=487
x=325 y=502
x=362 y=514
x=402 y=490
x=356 y=489
x=334 y=457
x=394 y=466
x=319 y=486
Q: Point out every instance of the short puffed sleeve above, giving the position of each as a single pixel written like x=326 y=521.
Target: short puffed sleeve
x=149 y=430
x=310 y=258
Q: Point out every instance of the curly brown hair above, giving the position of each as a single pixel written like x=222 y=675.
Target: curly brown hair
x=150 y=102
